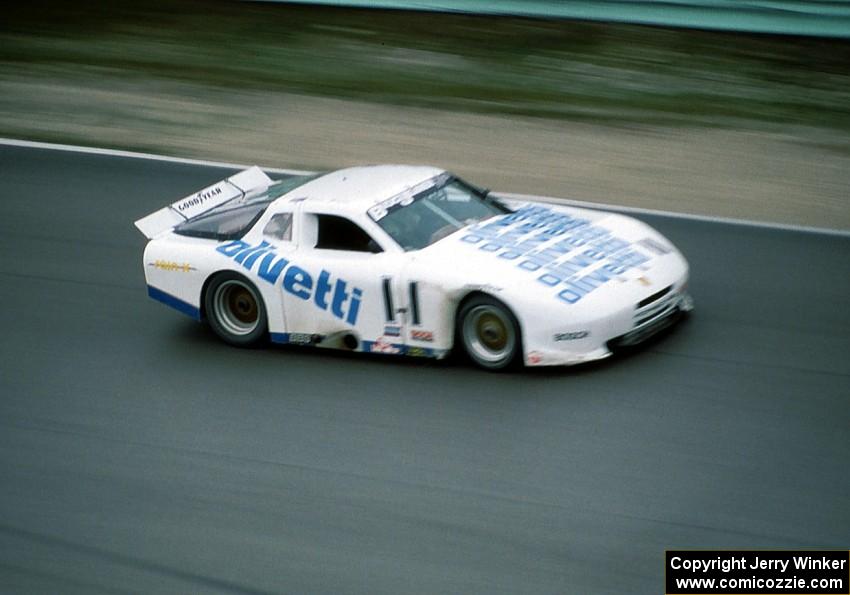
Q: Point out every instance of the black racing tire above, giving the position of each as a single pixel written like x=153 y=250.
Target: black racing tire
x=235 y=311
x=489 y=333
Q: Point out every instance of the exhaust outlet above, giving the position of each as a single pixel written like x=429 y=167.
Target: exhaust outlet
x=350 y=341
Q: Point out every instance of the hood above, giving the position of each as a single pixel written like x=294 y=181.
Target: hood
x=574 y=256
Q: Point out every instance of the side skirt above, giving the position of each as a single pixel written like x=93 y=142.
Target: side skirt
x=176 y=303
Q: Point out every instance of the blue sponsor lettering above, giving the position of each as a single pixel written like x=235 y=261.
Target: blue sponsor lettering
x=233 y=248
x=548 y=279
x=563 y=247
x=298 y=282
x=575 y=241
x=342 y=303
x=594 y=254
x=569 y=296
x=253 y=252
x=610 y=245
x=629 y=260
x=558 y=248
x=250 y=260
x=354 y=308
x=339 y=299
x=323 y=287
x=270 y=267
x=578 y=263
x=597 y=277
x=540 y=259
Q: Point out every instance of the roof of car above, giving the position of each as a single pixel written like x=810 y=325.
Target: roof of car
x=359 y=188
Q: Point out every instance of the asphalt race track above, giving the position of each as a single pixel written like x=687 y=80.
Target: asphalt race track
x=139 y=454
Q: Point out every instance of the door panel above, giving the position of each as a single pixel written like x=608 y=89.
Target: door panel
x=332 y=292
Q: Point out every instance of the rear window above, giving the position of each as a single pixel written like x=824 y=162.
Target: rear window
x=230 y=224
x=234 y=218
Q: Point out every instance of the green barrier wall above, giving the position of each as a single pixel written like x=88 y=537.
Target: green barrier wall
x=801 y=17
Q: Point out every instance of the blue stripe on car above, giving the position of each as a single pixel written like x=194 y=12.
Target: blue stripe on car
x=279 y=337
x=176 y=303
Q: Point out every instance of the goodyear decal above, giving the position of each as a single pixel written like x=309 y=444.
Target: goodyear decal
x=323 y=290
x=565 y=253
x=198 y=199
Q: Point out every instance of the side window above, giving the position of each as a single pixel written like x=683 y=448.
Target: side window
x=279 y=227
x=339 y=233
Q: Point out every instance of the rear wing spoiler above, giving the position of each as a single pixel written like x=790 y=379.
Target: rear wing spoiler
x=234 y=187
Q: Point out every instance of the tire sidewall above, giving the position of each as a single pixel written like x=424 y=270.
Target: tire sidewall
x=513 y=358
x=248 y=340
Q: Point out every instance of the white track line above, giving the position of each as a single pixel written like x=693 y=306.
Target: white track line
x=134 y=155
x=521 y=197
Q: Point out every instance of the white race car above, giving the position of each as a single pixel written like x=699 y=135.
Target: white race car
x=413 y=261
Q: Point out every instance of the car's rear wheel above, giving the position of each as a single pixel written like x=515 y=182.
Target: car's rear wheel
x=489 y=332
x=235 y=310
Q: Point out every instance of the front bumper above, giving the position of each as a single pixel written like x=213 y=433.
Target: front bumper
x=651 y=323
x=648 y=320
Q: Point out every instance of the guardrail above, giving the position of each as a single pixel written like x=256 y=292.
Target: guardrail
x=821 y=18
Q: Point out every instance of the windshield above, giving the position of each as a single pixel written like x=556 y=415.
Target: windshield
x=234 y=218
x=419 y=219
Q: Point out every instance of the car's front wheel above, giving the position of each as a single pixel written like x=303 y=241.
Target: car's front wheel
x=235 y=310
x=489 y=332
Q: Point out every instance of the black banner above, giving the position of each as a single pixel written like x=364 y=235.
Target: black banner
x=707 y=572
